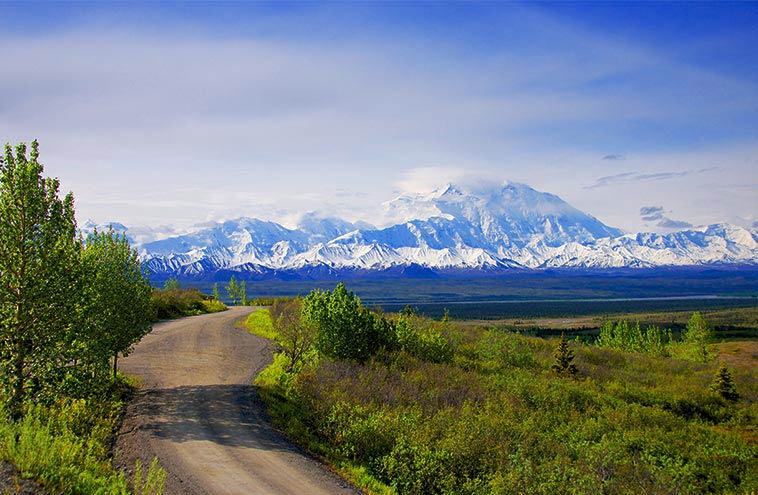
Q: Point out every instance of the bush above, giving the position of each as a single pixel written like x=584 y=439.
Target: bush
x=213 y=306
x=344 y=328
x=178 y=302
x=421 y=337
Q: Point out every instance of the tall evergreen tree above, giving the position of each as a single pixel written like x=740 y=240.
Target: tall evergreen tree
x=724 y=385
x=564 y=358
x=243 y=293
x=39 y=256
x=214 y=293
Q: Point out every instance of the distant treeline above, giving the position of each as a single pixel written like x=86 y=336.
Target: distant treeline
x=527 y=285
x=569 y=309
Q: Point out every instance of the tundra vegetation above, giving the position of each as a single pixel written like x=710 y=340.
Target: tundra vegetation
x=410 y=405
x=68 y=307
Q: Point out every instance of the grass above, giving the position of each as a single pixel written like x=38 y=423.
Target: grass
x=65 y=448
x=743 y=318
x=739 y=354
x=259 y=323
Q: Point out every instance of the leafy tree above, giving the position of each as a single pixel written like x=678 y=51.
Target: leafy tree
x=171 y=284
x=344 y=328
x=214 y=293
x=117 y=296
x=39 y=283
x=243 y=293
x=296 y=335
x=698 y=335
x=563 y=358
x=233 y=290
x=724 y=385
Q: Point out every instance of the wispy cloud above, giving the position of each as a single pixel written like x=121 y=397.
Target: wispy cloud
x=611 y=179
x=662 y=175
x=668 y=223
x=614 y=157
x=651 y=213
x=626 y=177
x=658 y=215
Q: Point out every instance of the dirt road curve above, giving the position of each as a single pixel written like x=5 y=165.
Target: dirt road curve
x=199 y=415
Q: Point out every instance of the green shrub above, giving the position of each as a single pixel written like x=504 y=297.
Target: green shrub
x=213 y=306
x=422 y=338
x=344 y=328
x=499 y=350
x=178 y=302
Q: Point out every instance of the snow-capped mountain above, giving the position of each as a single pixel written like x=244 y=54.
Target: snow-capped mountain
x=511 y=226
x=509 y=215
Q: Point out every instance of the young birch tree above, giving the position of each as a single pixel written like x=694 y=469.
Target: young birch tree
x=116 y=296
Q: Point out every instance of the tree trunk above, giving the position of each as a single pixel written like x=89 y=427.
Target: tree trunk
x=16 y=404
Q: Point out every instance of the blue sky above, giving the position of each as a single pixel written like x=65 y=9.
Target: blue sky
x=178 y=113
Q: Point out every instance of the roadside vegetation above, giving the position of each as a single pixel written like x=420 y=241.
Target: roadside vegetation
x=68 y=308
x=410 y=405
x=174 y=301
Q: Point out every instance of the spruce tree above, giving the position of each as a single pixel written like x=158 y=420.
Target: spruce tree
x=563 y=358
x=724 y=385
x=214 y=293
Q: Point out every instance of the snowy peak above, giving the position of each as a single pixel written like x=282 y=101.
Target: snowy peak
x=510 y=212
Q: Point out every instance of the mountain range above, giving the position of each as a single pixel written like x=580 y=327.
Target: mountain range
x=449 y=231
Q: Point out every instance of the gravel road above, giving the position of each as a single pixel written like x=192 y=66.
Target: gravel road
x=198 y=413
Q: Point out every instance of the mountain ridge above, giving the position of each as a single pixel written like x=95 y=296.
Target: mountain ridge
x=507 y=227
